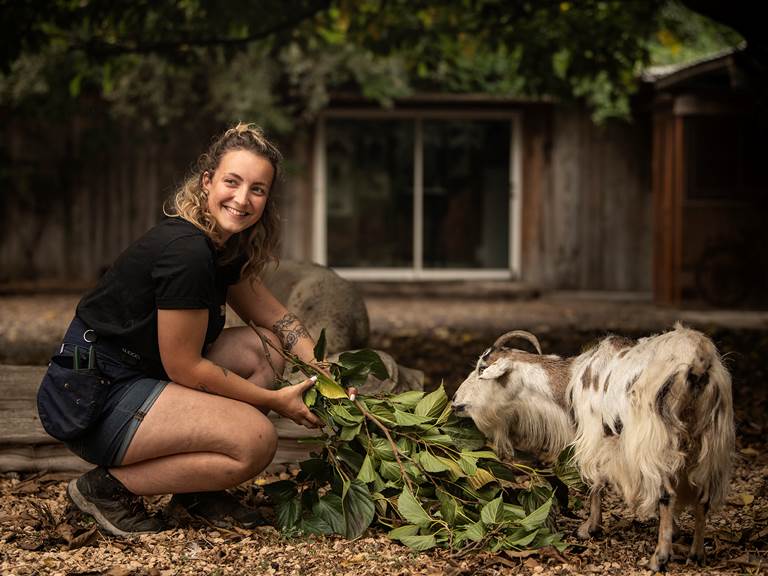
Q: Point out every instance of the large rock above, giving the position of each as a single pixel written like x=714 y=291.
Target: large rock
x=321 y=299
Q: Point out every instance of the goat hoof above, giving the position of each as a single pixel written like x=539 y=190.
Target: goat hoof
x=585 y=532
x=658 y=563
x=696 y=558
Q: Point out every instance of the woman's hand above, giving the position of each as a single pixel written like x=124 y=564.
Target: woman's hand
x=289 y=402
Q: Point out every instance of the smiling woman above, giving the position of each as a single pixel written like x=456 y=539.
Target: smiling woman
x=179 y=404
x=238 y=191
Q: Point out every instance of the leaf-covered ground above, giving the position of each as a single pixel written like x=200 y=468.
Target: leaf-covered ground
x=39 y=535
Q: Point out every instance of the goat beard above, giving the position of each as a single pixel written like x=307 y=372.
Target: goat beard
x=541 y=428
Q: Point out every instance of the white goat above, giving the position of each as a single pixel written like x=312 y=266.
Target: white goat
x=653 y=418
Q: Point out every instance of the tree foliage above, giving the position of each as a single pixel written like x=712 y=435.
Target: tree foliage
x=277 y=62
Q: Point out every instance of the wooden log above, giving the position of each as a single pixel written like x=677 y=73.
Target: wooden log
x=26 y=447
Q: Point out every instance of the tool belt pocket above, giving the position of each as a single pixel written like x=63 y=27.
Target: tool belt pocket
x=70 y=397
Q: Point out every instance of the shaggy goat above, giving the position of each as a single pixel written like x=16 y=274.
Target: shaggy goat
x=653 y=418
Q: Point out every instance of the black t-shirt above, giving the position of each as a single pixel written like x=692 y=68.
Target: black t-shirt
x=172 y=266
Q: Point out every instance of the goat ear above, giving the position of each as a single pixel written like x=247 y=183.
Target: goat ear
x=497 y=369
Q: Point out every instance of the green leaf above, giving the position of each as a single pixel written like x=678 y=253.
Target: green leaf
x=443 y=418
x=281 y=491
x=343 y=416
x=448 y=506
x=320 y=346
x=390 y=471
x=410 y=509
x=318 y=469
x=481 y=454
x=315 y=525
x=480 y=478
x=431 y=463
x=465 y=434
x=513 y=512
x=537 y=518
x=405 y=530
x=382 y=449
x=288 y=513
x=381 y=503
x=349 y=432
x=408 y=419
x=419 y=543
x=493 y=512
x=358 y=509
x=453 y=467
x=383 y=414
x=328 y=388
x=409 y=399
x=468 y=464
x=351 y=458
x=520 y=538
x=432 y=405
x=329 y=508
x=310 y=397
x=367 y=471
x=566 y=470
x=364 y=358
x=440 y=439
x=404 y=446
x=474 y=532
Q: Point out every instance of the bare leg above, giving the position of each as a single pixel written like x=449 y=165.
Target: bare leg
x=192 y=441
x=594 y=523
x=697 y=547
x=658 y=562
x=241 y=351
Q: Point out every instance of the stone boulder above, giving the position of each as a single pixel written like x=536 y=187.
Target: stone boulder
x=321 y=299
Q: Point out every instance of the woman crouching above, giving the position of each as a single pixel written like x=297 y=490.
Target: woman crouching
x=175 y=403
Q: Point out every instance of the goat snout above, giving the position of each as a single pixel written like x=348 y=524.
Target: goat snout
x=459 y=408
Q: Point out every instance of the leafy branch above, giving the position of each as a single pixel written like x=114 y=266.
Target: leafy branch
x=407 y=463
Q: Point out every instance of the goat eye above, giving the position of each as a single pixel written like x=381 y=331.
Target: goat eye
x=485 y=354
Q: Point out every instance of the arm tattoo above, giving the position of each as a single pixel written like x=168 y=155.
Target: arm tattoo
x=226 y=372
x=205 y=388
x=289 y=329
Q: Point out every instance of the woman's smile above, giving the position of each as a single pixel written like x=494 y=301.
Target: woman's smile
x=238 y=191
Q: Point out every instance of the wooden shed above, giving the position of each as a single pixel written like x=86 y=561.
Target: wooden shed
x=710 y=186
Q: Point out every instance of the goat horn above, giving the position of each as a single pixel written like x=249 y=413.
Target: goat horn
x=504 y=338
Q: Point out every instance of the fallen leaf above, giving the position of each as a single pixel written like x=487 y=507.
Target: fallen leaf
x=747 y=499
x=118 y=571
x=748 y=559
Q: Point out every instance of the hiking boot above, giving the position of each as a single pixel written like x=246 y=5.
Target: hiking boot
x=115 y=509
x=219 y=508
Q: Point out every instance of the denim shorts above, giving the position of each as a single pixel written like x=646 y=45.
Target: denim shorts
x=131 y=394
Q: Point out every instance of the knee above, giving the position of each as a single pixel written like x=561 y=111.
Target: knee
x=263 y=350
x=256 y=448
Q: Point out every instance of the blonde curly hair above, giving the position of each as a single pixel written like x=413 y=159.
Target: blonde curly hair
x=190 y=201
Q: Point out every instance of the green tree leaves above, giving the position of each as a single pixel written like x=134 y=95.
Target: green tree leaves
x=408 y=463
x=277 y=62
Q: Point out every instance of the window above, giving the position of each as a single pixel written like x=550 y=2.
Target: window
x=416 y=196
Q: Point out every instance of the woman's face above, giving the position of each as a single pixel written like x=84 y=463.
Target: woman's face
x=238 y=190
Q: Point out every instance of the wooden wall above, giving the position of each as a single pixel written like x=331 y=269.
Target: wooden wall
x=76 y=194
x=79 y=192
x=586 y=202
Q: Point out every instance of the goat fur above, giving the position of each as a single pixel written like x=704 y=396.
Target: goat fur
x=648 y=417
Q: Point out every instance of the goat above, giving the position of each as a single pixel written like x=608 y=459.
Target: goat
x=652 y=417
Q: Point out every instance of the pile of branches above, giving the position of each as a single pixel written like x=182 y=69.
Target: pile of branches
x=407 y=463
